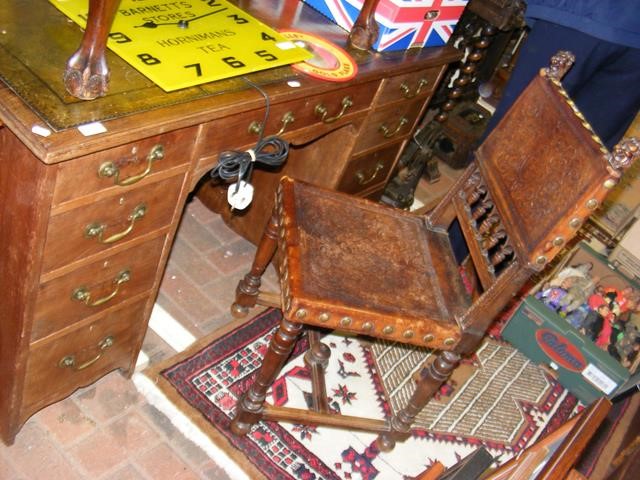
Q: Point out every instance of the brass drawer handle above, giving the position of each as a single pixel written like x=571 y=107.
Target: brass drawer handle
x=406 y=90
x=69 y=361
x=322 y=111
x=388 y=133
x=256 y=127
x=82 y=294
x=98 y=229
x=109 y=169
x=362 y=180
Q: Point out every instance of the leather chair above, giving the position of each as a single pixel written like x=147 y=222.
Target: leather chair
x=350 y=264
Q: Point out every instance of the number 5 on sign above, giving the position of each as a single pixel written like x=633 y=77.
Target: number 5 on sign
x=189 y=42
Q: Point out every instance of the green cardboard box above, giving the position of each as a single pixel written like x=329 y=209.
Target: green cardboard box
x=549 y=340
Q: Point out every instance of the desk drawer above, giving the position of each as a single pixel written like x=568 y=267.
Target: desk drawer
x=119 y=168
x=56 y=368
x=91 y=289
x=242 y=130
x=389 y=124
x=411 y=85
x=95 y=227
x=363 y=172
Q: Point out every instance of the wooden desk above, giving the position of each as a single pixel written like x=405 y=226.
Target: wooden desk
x=87 y=223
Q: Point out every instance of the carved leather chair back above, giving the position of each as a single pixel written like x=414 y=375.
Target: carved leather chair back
x=530 y=186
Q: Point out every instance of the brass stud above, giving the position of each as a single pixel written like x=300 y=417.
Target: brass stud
x=592 y=204
x=367 y=326
x=449 y=341
x=610 y=183
x=428 y=338
x=345 y=321
x=541 y=260
x=324 y=317
x=301 y=313
x=388 y=330
x=558 y=241
x=407 y=334
x=575 y=222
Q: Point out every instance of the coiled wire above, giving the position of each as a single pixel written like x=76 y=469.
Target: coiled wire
x=271 y=151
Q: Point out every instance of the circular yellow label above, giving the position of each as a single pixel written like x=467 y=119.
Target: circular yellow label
x=329 y=62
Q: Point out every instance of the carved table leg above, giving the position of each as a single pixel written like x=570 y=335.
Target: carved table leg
x=249 y=408
x=431 y=378
x=249 y=287
x=87 y=73
x=364 y=32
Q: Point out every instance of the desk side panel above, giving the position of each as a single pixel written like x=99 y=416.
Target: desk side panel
x=25 y=196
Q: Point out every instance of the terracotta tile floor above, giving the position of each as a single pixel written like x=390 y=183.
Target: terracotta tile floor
x=107 y=431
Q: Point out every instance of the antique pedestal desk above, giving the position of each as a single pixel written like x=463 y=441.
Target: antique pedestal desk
x=87 y=221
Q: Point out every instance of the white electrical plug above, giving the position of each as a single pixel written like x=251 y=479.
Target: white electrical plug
x=240 y=195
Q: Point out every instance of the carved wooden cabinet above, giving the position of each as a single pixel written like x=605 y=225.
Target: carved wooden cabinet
x=87 y=222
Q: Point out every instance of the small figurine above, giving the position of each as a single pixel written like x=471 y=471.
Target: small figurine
x=594 y=321
x=625 y=299
x=578 y=283
x=551 y=297
x=581 y=270
x=607 y=315
x=577 y=317
x=626 y=346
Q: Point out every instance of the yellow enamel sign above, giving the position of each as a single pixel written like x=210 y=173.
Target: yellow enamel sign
x=178 y=44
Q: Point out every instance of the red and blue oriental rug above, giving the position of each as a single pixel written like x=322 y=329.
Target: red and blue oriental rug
x=499 y=399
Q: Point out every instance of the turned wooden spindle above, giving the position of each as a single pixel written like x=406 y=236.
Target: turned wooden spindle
x=492 y=240
x=503 y=253
x=467 y=71
x=488 y=223
x=477 y=193
x=485 y=206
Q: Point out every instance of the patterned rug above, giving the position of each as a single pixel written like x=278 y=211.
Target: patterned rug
x=499 y=400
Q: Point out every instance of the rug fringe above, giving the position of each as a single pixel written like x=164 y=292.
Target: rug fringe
x=155 y=397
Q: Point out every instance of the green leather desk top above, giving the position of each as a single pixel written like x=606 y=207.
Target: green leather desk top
x=35 y=42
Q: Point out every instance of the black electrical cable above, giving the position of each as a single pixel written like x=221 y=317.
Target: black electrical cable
x=271 y=151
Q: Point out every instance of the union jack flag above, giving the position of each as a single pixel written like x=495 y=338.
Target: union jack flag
x=402 y=23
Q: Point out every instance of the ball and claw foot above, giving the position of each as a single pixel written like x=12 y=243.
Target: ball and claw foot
x=363 y=38
x=85 y=78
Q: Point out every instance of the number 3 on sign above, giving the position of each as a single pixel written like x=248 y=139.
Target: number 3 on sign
x=185 y=43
